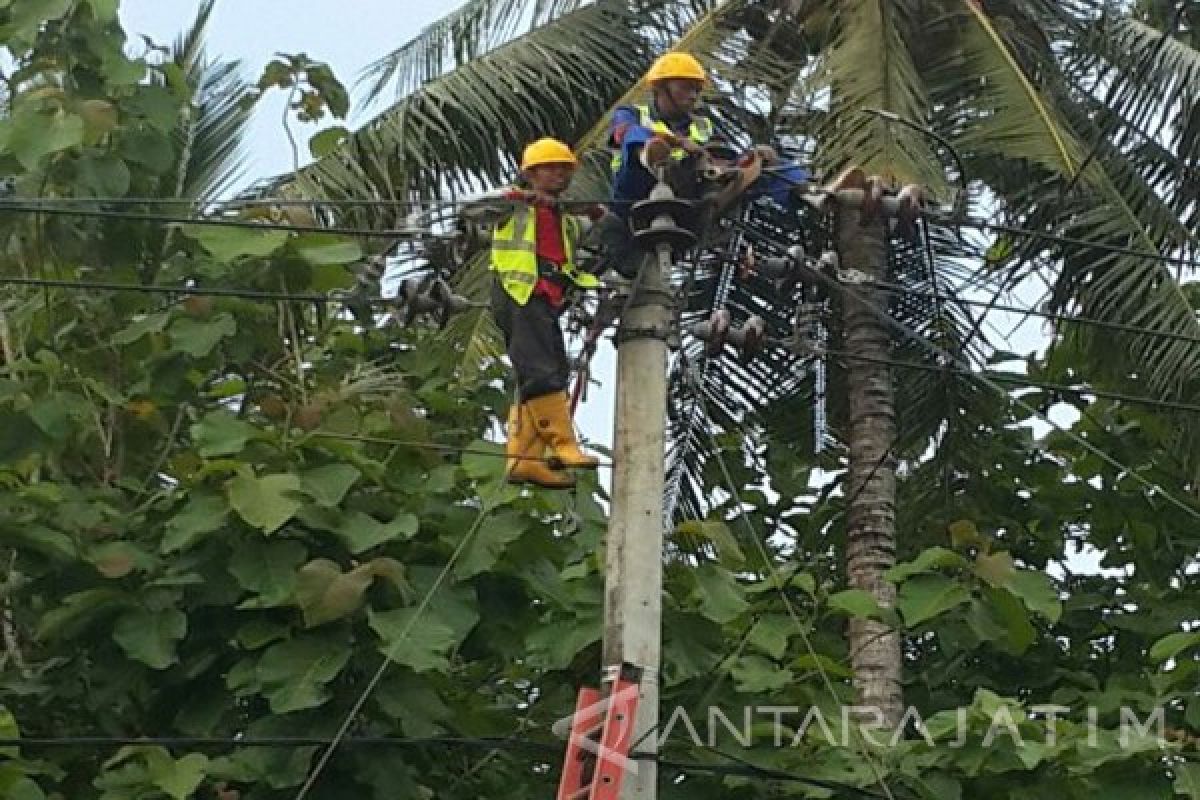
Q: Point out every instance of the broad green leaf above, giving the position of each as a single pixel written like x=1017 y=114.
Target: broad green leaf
x=8 y=730
x=267 y=568
x=1187 y=780
x=856 y=603
x=327 y=141
x=963 y=533
x=729 y=553
x=229 y=244
x=149 y=323
x=79 y=610
x=158 y=105
x=1173 y=644
x=180 y=778
x=327 y=485
x=18 y=437
x=489 y=543
x=819 y=662
x=203 y=514
x=324 y=249
x=28 y=15
x=118 y=559
x=996 y=568
x=104 y=10
x=150 y=636
x=770 y=634
x=104 y=176
x=753 y=674
x=294 y=673
x=16 y=786
x=260 y=632
x=556 y=644
x=34 y=135
x=721 y=598
x=1037 y=592
x=197 y=337
x=415 y=704
x=325 y=593
x=56 y=414
x=360 y=532
x=51 y=544
x=925 y=596
x=265 y=502
x=693 y=646
x=420 y=643
x=985 y=621
x=1020 y=633
x=932 y=559
x=147 y=147
x=220 y=433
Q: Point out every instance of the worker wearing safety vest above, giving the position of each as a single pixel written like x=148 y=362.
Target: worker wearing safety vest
x=667 y=132
x=534 y=259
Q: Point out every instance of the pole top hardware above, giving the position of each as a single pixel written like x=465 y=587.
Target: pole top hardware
x=657 y=220
x=418 y=296
x=718 y=330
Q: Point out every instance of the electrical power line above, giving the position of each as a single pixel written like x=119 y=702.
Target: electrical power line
x=1018 y=380
x=892 y=288
x=59 y=209
x=742 y=769
x=381 y=233
x=942 y=354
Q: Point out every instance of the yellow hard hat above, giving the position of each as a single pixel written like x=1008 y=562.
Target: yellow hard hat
x=677 y=65
x=547 y=151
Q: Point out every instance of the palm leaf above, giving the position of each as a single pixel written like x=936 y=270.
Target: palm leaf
x=212 y=127
x=459 y=132
x=470 y=31
x=1011 y=117
x=870 y=65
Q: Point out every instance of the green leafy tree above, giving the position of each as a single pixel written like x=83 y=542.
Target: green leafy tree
x=221 y=518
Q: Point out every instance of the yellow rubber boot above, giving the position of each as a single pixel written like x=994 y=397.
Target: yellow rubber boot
x=523 y=442
x=552 y=413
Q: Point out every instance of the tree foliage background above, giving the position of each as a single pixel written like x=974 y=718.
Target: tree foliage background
x=201 y=535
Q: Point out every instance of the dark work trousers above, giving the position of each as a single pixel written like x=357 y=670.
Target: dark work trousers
x=534 y=342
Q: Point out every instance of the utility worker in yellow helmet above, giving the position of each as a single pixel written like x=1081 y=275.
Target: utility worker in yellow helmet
x=670 y=132
x=666 y=131
x=534 y=261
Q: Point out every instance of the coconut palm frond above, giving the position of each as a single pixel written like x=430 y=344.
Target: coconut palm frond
x=460 y=132
x=1009 y=117
x=474 y=29
x=870 y=65
x=212 y=128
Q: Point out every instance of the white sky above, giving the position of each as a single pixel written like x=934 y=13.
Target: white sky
x=348 y=35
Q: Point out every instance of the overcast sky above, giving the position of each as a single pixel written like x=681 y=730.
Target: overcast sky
x=348 y=35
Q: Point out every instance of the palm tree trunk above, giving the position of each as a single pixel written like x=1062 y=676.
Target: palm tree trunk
x=871 y=521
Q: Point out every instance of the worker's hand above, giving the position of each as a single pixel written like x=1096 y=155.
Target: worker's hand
x=539 y=198
x=690 y=147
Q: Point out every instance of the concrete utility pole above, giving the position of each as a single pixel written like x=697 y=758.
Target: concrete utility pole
x=634 y=574
x=634 y=553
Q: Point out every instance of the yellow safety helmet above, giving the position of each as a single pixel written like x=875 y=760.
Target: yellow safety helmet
x=677 y=65
x=547 y=151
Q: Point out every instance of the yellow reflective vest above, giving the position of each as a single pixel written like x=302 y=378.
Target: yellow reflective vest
x=700 y=131
x=514 y=254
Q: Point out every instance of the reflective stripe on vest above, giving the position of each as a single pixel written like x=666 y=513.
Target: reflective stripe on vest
x=700 y=131
x=514 y=254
